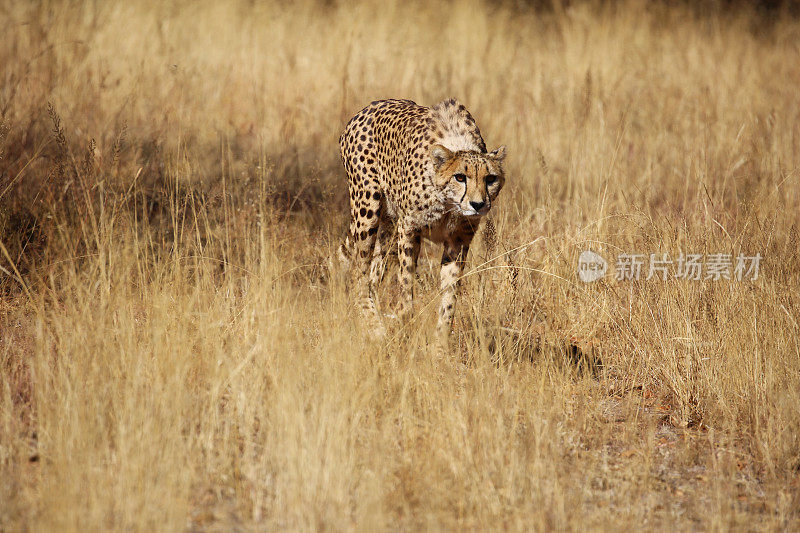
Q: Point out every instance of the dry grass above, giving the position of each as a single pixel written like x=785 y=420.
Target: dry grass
x=175 y=353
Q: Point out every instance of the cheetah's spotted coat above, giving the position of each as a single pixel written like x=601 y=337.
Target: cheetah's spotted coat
x=418 y=171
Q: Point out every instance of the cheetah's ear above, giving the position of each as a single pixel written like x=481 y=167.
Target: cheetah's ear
x=499 y=154
x=440 y=155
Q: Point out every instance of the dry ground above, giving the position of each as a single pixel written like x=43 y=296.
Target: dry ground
x=175 y=352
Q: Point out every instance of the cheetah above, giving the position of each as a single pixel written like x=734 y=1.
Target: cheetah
x=415 y=172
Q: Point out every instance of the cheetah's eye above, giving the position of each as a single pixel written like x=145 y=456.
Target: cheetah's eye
x=461 y=178
x=491 y=178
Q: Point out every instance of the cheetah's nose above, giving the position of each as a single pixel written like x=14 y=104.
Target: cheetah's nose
x=477 y=206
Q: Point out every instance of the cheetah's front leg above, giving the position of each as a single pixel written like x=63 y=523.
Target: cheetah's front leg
x=408 y=243
x=453 y=259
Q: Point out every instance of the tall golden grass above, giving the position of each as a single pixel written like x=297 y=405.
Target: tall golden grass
x=176 y=353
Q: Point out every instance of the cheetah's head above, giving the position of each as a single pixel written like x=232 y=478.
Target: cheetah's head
x=470 y=180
